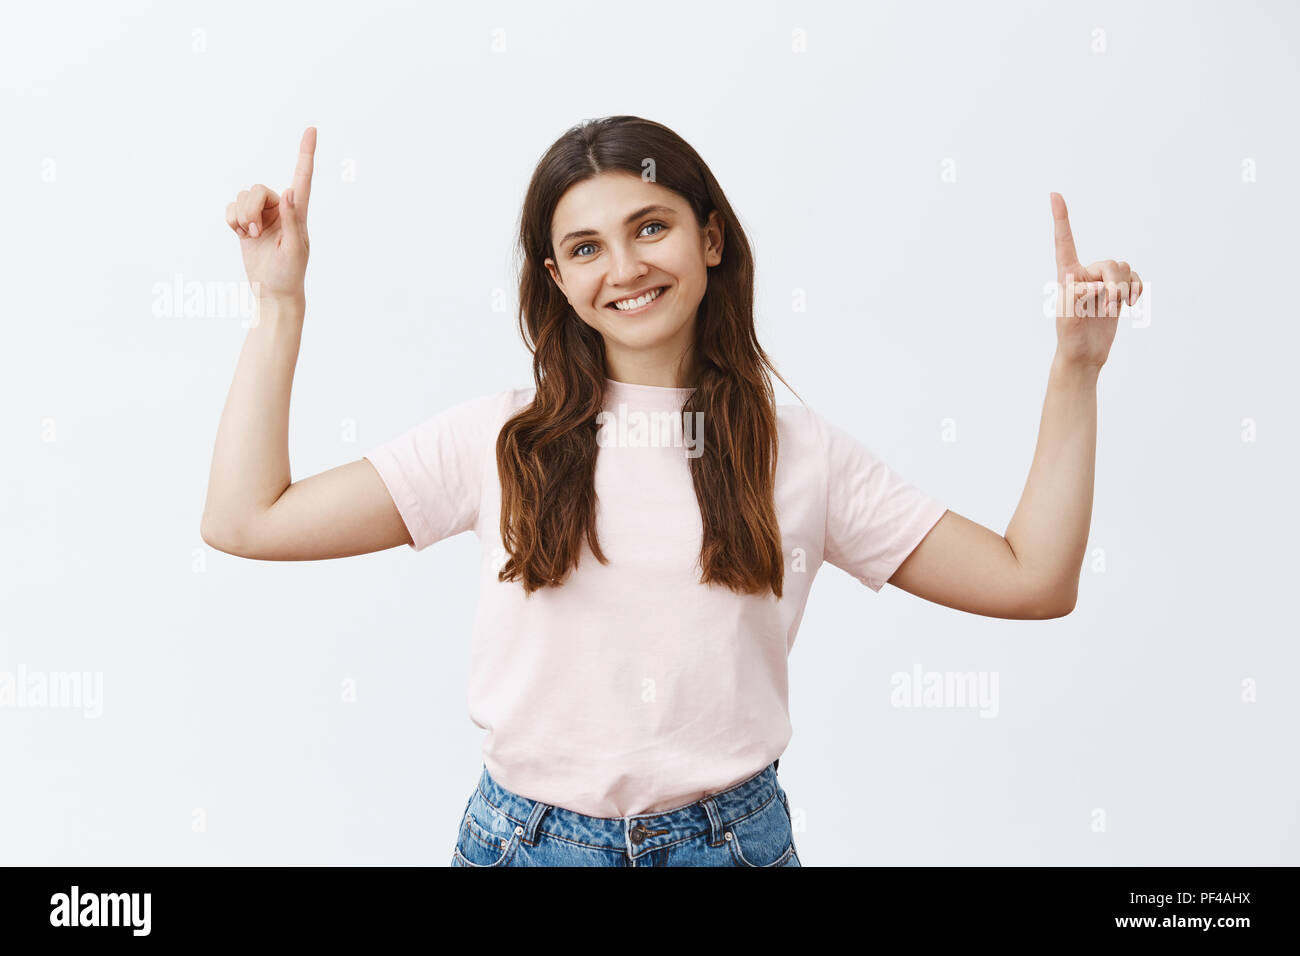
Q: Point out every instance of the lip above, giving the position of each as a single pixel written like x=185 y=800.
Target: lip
x=636 y=295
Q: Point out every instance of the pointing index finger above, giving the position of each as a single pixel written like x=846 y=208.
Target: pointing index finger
x=1065 y=252
x=302 y=172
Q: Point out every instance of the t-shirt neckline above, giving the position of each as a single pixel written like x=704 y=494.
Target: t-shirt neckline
x=652 y=395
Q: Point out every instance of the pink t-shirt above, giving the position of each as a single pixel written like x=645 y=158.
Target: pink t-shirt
x=634 y=688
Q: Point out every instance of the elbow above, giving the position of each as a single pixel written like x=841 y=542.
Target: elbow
x=1058 y=604
x=219 y=536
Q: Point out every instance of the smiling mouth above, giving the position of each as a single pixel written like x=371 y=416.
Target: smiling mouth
x=658 y=294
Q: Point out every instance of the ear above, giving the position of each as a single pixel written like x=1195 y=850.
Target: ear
x=713 y=239
x=555 y=274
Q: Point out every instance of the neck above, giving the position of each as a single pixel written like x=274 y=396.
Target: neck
x=676 y=375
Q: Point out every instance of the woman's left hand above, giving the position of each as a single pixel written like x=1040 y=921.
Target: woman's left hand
x=1089 y=298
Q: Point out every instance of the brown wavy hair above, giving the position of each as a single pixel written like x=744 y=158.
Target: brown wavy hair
x=546 y=453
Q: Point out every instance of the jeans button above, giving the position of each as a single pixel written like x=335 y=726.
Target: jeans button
x=637 y=834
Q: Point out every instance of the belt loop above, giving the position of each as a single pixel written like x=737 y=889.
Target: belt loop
x=716 y=826
x=534 y=821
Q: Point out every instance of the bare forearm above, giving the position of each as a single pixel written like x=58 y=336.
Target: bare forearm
x=250 y=462
x=1049 y=530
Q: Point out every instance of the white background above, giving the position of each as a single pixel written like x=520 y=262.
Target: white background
x=224 y=737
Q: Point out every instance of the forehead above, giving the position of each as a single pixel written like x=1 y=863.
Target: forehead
x=602 y=202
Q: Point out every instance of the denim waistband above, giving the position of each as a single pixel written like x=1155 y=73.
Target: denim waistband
x=642 y=831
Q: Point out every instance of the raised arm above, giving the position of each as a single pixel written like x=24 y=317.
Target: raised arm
x=1033 y=570
x=253 y=507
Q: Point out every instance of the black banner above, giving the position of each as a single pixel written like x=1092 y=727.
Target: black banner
x=1171 y=905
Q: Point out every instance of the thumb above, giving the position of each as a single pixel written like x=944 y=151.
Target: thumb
x=1079 y=285
x=293 y=229
x=1074 y=284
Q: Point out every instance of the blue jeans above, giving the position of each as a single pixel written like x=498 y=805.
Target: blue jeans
x=746 y=825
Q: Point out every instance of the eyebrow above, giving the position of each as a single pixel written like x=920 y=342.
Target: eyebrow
x=644 y=211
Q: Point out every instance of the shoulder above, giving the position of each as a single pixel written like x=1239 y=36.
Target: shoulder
x=465 y=429
x=487 y=413
x=516 y=398
x=801 y=428
x=807 y=434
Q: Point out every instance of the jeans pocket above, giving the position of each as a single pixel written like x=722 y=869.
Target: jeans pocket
x=486 y=836
x=765 y=837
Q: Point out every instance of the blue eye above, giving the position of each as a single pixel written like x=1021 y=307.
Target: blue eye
x=575 y=255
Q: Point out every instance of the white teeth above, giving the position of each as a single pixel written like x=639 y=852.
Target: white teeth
x=627 y=304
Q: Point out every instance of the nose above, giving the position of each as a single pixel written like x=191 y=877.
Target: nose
x=627 y=267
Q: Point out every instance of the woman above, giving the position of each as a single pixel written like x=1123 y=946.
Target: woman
x=651 y=519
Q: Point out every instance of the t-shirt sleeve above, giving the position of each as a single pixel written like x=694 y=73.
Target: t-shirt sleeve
x=435 y=470
x=874 y=517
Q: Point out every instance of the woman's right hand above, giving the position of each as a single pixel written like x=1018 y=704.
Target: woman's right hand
x=272 y=230
x=254 y=509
